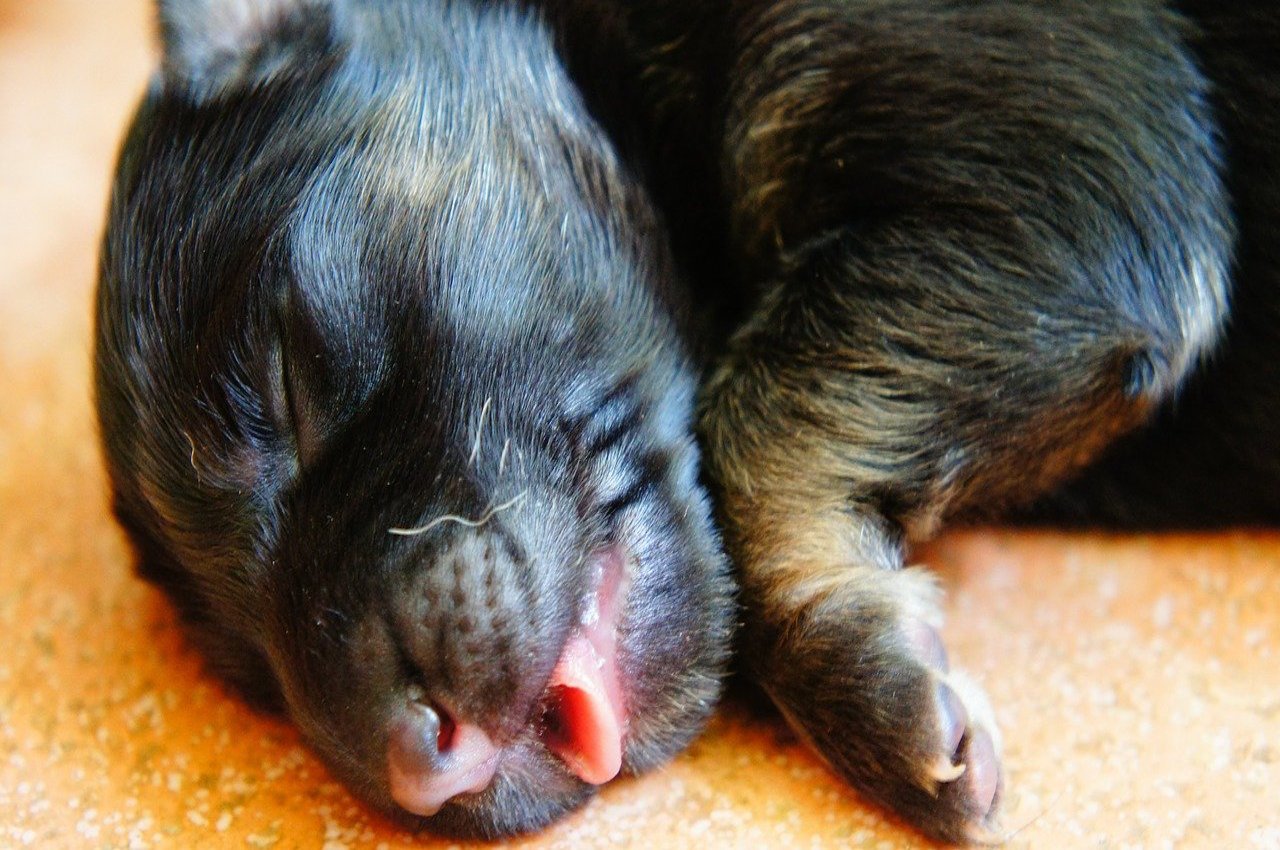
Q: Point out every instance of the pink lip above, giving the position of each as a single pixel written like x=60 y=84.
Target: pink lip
x=585 y=694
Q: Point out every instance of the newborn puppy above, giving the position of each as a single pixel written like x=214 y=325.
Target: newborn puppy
x=394 y=382
x=961 y=249
x=397 y=407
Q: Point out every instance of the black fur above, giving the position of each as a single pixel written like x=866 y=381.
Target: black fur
x=940 y=258
x=378 y=283
x=1209 y=457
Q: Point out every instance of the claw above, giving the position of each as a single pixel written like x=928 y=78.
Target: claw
x=952 y=716
x=943 y=770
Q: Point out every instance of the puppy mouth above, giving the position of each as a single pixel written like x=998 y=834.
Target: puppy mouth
x=584 y=720
x=434 y=758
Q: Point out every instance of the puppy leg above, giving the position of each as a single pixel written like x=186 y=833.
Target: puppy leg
x=821 y=474
x=864 y=402
x=968 y=271
x=846 y=644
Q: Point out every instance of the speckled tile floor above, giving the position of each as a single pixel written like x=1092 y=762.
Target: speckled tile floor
x=1137 y=678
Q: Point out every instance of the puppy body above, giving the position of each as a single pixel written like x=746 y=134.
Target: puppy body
x=942 y=257
x=1208 y=457
x=958 y=252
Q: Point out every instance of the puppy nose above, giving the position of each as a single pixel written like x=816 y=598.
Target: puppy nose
x=432 y=758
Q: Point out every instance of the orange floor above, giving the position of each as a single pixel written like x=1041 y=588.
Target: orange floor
x=1137 y=678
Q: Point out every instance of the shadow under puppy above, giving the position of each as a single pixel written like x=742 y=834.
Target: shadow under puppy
x=372 y=266
x=397 y=405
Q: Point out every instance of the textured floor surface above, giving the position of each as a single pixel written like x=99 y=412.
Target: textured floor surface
x=1137 y=678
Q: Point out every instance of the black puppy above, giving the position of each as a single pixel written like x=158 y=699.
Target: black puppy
x=397 y=406
x=959 y=249
x=395 y=385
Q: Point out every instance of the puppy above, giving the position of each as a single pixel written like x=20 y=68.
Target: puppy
x=396 y=373
x=397 y=406
x=959 y=250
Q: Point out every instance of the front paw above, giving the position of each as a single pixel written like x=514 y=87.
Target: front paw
x=862 y=675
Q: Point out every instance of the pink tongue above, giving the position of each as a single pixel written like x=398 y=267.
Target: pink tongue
x=586 y=715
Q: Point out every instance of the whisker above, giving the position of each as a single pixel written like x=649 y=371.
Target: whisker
x=461 y=520
x=475 y=447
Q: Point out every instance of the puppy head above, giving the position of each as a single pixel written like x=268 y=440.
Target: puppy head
x=395 y=405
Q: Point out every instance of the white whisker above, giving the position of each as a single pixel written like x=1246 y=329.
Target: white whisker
x=502 y=461
x=475 y=447
x=461 y=520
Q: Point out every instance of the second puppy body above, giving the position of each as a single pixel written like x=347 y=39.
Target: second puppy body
x=959 y=250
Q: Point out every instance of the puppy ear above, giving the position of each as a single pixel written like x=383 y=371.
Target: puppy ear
x=215 y=46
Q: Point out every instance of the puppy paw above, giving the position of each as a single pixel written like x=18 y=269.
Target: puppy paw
x=963 y=773
x=863 y=676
